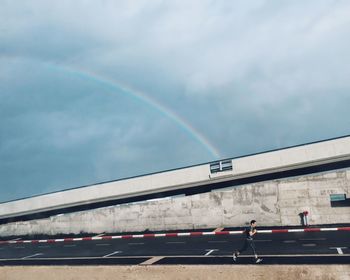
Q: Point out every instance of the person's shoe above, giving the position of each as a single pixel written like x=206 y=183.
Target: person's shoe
x=235 y=256
x=258 y=260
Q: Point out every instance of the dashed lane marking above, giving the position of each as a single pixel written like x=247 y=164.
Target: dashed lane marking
x=20 y=247
x=309 y=245
x=174 y=242
x=289 y=241
x=140 y=243
x=104 y=244
x=312 y=239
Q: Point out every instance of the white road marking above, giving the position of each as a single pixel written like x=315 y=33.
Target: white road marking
x=296 y=230
x=309 y=245
x=111 y=254
x=175 y=242
x=236 y=232
x=117 y=237
x=38 y=254
x=104 y=244
x=183 y=234
x=340 y=252
x=209 y=233
x=339 y=249
x=312 y=239
x=147 y=256
x=289 y=241
x=44 y=246
x=136 y=243
x=96 y=238
x=151 y=261
x=210 y=251
x=292 y=255
x=20 y=247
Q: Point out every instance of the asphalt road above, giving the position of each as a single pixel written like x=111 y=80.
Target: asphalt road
x=275 y=248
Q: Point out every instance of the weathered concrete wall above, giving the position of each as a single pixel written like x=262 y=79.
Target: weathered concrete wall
x=272 y=203
x=312 y=193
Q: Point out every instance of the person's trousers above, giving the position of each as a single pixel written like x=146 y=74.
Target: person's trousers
x=248 y=243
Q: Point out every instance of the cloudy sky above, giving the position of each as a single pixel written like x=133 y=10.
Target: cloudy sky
x=93 y=91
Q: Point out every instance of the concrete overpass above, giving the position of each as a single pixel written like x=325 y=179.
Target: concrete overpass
x=333 y=154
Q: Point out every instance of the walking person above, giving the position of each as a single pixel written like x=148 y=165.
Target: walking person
x=248 y=242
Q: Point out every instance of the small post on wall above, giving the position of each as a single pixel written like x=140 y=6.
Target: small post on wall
x=305 y=217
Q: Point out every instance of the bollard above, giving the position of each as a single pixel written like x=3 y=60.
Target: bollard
x=305 y=214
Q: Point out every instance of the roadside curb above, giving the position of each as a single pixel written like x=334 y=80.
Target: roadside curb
x=173 y=234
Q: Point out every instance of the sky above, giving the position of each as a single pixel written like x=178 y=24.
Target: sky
x=94 y=91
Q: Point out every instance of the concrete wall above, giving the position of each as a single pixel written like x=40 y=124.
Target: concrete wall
x=272 y=203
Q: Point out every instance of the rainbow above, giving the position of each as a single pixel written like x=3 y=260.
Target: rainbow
x=143 y=97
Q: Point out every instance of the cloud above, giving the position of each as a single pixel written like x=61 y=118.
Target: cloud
x=249 y=76
x=204 y=45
